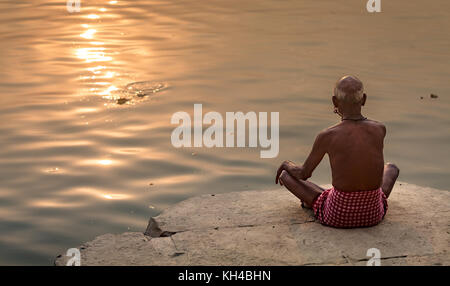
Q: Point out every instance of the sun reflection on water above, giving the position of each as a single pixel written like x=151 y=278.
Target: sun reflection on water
x=92 y=54
x=95 y=52
x=93 y=16
x=115 y=196
x=96 y=193
x=105 y=162
x=89 y=34
x=107 y=92
x=96 y=70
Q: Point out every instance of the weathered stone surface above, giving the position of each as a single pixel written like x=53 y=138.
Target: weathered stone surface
x=236 y=209
x=270 y=228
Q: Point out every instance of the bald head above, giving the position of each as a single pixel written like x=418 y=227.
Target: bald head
x=349 y=89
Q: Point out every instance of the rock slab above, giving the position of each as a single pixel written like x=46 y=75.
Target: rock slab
x=270 y=228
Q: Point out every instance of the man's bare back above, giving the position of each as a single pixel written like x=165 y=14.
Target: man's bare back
x=355 y=150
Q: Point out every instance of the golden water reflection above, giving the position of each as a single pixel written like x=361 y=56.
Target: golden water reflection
x=93 y=16
x=94 y=53
x=89 y=34
x=97 y=193
x=100 y=162
x=90 y=55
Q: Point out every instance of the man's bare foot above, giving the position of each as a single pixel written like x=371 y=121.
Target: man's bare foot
x=305 y=205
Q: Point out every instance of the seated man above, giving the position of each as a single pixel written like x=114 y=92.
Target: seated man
x=361 y=182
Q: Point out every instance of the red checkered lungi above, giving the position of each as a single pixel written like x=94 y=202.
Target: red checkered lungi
x=350 y=209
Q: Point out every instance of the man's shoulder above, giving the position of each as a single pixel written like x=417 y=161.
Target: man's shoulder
x=377 y=124
x=336 y=128
x=328 y=132
x=374 y=122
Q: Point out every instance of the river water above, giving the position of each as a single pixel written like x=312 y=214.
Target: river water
x=80 y=156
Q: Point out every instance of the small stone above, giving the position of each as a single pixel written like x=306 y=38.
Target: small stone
x=177 y=254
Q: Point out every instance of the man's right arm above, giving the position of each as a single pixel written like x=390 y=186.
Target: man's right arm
x=305 y=171
x=319 y=150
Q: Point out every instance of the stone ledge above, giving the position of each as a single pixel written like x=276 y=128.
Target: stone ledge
x=270 y=228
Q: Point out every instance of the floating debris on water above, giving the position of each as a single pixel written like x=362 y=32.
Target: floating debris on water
x=122 y=100
x=433 y=95
x=151 y=207
x=140 y=94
